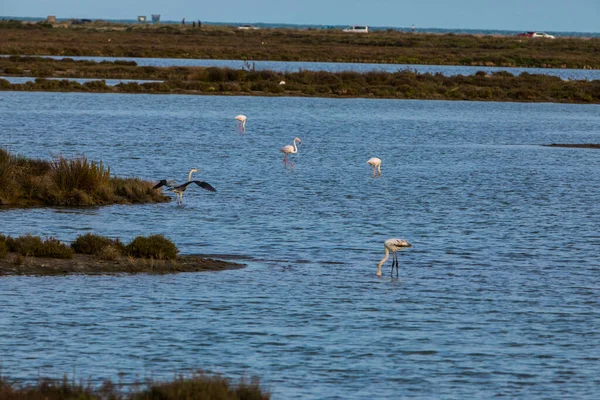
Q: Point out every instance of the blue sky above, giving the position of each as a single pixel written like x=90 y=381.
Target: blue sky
x=546 y=15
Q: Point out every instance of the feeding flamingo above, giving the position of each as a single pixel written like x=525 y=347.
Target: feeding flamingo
x=376 y=164
x=289 y=149
x=392 y=245
x=180 y=189
x=241 y=123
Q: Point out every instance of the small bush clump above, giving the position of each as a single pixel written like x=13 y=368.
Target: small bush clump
x=155 y=246
x=90 y=243
x=3 y=249
x=29 y=245
x=110 y=253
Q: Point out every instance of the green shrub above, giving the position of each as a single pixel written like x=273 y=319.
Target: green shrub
x=3 y=249
x=90 y=243
x=53 y=248
x=155 y=246
x=111 y=252
x=26 y=245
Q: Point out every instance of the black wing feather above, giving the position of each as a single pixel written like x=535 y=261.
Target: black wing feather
x=205 y=185
x=161 y=183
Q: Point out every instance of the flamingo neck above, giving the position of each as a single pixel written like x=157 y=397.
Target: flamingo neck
x=379 y=168
x=384 y=259
x=190 y=175
x=295 y=147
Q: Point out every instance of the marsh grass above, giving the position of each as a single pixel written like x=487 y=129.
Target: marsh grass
x=28 y=245
x=155 y=247
x=402 y=84
x=3 y=249
x=90 y=243
x=197 y=386
x=212 y=42
x=67 y=182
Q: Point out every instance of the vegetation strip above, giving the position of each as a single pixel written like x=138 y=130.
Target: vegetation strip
x=405 y=84
x=61 y=182
x=196 y=386
x=94 y=254
x=333 y=45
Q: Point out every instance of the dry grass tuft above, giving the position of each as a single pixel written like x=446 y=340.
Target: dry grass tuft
x=197 y=386
x=63 y=182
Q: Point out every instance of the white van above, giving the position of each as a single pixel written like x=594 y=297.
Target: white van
x=357 y=29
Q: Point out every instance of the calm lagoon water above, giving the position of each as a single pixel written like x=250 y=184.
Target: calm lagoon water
x=499 y=295
x=294 y=66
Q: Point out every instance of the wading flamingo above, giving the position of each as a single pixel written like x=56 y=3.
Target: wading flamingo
x=376 y=164
x=241 y=123
x=289 y=149
x=392 y=245
x=180 y=189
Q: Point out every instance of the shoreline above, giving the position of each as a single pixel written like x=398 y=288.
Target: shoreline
x=85 y=264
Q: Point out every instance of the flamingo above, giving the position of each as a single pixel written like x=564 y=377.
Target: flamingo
x=392 y=245
x=241 y=124
x=290 y=149
x=376 y=164
x=180 y=189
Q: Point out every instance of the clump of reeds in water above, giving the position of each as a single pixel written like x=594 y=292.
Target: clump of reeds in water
x=67 y=182
x=196 y=386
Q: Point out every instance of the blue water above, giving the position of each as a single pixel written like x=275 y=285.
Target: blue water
x=109 y=82
x=498 y=297
x=295 y=66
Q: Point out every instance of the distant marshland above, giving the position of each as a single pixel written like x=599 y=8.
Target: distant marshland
x=333 y=45
x=403 y=84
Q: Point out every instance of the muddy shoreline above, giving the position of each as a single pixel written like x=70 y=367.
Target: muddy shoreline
x=85 y=264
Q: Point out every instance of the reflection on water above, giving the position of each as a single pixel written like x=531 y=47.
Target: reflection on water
x=498 y=296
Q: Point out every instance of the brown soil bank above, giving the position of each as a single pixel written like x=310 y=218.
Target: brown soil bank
x=212 y=42
x=14 y=264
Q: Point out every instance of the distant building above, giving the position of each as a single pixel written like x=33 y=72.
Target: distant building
x=156 y=18
x=142 y=19
x=51 y=18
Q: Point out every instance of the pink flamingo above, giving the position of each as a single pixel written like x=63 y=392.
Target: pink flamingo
x=289 y=149
x=392 y=245
x=241 y=123
x=376 y=164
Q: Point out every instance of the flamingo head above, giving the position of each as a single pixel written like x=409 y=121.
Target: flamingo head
x=297 y=139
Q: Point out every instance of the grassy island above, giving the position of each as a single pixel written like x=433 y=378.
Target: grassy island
x=227 y=42
x=404 y=84
x=196 y=386
x=94 y=254
x=61 y=182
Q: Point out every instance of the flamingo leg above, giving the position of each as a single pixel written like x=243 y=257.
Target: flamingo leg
x=397 y=264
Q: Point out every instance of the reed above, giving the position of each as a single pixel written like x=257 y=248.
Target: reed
x=67 y=182
x=196 y=386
